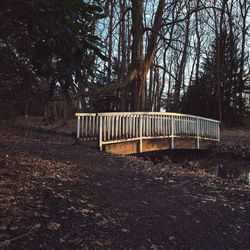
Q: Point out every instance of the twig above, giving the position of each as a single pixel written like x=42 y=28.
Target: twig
x=7 y=242
x=8 y=150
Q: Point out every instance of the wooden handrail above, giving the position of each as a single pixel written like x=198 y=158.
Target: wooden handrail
x=145 y=113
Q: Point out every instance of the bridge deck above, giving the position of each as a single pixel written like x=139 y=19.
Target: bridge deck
x=135 y=132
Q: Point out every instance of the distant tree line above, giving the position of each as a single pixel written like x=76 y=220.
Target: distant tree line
x=187 y=56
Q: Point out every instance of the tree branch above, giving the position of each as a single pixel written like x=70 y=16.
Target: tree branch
x=118 y=85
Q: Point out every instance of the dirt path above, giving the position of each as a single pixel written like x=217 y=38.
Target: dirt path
x=58 y=195
x=235 y=136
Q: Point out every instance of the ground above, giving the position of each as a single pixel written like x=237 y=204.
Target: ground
x=56 y=194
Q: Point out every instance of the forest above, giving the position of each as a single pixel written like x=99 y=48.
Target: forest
x=187 y=56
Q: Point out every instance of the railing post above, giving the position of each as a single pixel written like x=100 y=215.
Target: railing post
x=218 y=133
x=78 y=127
x=172 y=132
x=198 y=133
x=140 y=133
x=100 y=133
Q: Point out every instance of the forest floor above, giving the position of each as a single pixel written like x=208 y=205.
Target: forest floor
x=55 y=194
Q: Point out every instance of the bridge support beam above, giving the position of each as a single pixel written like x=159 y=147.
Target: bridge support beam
x=172 y=132
x=147 y=145
x=197 y=133
x=78 y=127
x=100 y=134
x=140 y=146
x=140 y=134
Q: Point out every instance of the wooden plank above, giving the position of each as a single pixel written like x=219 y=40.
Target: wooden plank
x=155 y=144
x=132 y=147
x=188 y=143
x=124 y=148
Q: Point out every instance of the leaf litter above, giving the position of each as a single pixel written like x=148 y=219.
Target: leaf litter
x=56 y=194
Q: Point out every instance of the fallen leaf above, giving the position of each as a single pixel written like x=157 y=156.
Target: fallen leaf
x=53 y=226
x=3 y=228
x=4 y=236
x=172 y=217
x=107 y=242
x=171 y=181
x=14 y=228
x=62 y=240
x=77 y=241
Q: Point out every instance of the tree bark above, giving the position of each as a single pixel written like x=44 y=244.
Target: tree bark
x=110 y=43
x=181 y=69
x=137 y=54
x=123 y=56
x=143 y=66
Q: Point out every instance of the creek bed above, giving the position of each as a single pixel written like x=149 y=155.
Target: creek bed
x=223 y=165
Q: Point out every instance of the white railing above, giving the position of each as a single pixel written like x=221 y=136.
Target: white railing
x=87 y=126
x=129 y=126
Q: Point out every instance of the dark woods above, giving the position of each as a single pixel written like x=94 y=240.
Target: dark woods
x=218 y=90
x=59 y=57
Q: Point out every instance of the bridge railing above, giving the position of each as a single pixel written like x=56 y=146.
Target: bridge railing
x=87 y=126
x=128 y=126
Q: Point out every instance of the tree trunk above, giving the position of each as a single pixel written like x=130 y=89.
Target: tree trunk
x=143 y=66
x=110 y=44
x=181 y=69
x=123 y=56
x=198 y=46
x=54 y=110
x=244 y=9
x=137 y=55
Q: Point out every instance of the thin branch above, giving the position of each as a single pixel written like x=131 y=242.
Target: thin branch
x=161 y=67
x=122 y=18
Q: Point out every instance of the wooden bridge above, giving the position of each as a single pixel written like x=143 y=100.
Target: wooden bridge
x=136 y=132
